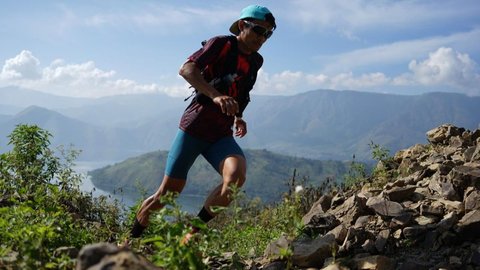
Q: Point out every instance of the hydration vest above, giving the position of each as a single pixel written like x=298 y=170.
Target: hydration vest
x=224 y=81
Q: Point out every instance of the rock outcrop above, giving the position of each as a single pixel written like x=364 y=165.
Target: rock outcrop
x=426 y=215
x=103 y=256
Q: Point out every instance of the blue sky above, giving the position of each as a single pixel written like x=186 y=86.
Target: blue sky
x=99 y=48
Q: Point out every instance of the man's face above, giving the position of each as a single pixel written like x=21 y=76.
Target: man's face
x=254 y=34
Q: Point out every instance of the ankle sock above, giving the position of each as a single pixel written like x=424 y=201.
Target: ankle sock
x=204 y=215
x=137 y=229
x=194 y=229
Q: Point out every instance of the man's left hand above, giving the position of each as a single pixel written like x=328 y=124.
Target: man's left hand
x=240 y=127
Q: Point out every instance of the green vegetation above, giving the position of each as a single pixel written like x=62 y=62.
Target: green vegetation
x=240 y=228
x=383 y=170
x=42 y=208
x=43 y=212
x=358 y=173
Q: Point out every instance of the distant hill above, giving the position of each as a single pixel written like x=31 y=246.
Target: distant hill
x=95 y=142
x=128 y=110
x=16 y=99
x=321 y=124
x=337 y=124
x=267 y=176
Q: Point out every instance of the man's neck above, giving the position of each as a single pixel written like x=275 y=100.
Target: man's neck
x=242 y=47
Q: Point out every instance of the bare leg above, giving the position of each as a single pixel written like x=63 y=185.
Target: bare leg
x=152 y=203
x=233 y=170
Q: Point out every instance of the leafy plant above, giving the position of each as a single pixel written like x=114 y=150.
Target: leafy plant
x=383 y=170
x=162 y=241
x=379 y=153
x=356 y=174
x=42 y=207
x=239 y=227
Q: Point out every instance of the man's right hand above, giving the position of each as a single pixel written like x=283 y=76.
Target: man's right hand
x=228 y=104
x=192 y=75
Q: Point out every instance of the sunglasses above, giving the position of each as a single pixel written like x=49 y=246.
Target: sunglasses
x=259 y=30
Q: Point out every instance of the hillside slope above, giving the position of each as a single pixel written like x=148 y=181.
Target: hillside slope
x=267 y=174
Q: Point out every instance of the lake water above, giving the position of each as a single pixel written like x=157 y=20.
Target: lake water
x=188 y=203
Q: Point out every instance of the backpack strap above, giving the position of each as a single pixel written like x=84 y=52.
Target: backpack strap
x=256 y=62
x=230 y=62
x=231 y=59
x=223 y=82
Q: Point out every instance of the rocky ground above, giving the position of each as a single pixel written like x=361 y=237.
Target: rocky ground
x=420 y=210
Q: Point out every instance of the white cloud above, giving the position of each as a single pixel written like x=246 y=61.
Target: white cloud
x=443 y=69
x=364 y=81
x=288 y=82
x=446 y=67
x=22 y=66
x=398 y=52
x=80 y=80
x=280 y=84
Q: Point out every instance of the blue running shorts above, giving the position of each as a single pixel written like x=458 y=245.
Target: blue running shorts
x=186 y=148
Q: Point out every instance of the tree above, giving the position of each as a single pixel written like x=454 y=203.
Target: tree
x=42 y=207
x=30 y=164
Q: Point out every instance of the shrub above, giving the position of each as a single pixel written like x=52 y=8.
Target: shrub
x=356 y=175
x=42 y=207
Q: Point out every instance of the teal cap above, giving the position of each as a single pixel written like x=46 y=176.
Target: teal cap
x=253 y=12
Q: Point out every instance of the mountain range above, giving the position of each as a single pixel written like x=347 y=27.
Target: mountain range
x=320 y=124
